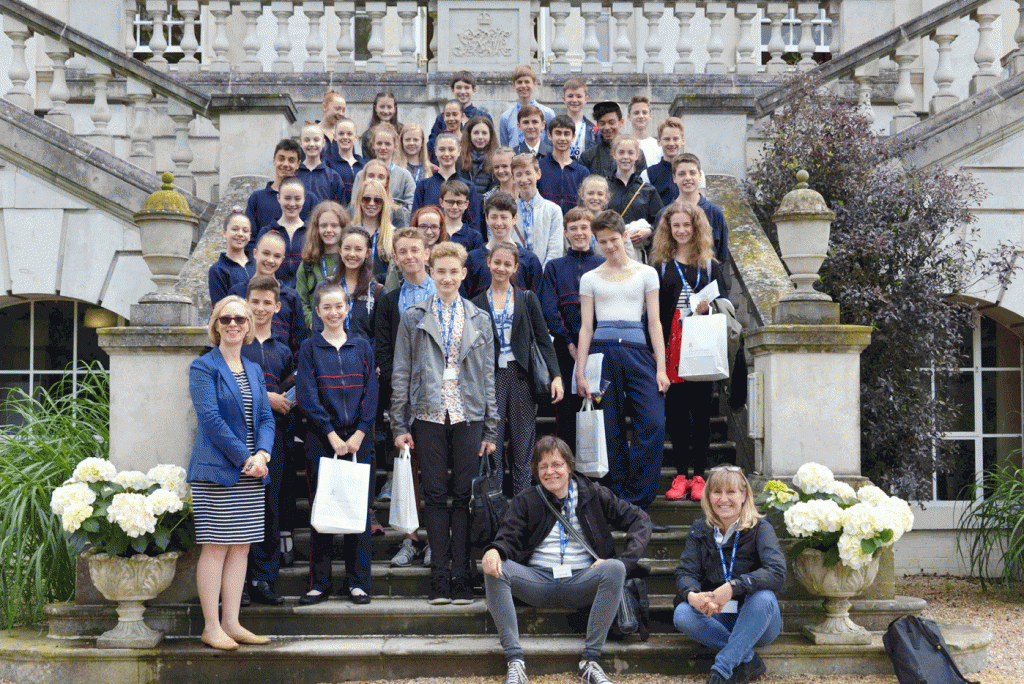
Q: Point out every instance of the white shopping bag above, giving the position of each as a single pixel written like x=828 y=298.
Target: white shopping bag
x=704 y=348
x=342 y=496
x=591 y=449
x=403 y=516
x=594 y=368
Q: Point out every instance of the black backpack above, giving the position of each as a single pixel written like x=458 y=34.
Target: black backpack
x=919 y=654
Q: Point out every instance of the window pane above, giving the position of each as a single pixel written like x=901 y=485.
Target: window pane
x=54 y=335
x=1000 y=400
x=988 y=342
x=7 y=384
x=960 y=391
x=88 y=343
x=960 y=474
x=14 y=334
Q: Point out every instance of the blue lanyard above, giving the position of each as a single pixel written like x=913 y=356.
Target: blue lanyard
x=689 y=292
x=373 y=247
x=323 y=266
x=419 y=173
x=504 y=314
x=727 y=573
x=344 y=286
x=447 y=332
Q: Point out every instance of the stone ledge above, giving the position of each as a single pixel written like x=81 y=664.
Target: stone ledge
x=835 y=339
x=153 y=339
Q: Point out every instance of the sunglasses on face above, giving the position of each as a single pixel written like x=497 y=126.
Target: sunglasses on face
x=237 y=320
x=372 y=200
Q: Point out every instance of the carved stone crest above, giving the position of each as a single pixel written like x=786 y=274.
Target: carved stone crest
x=483 y=40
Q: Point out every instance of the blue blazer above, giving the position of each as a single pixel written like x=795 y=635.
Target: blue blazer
x=219 y=451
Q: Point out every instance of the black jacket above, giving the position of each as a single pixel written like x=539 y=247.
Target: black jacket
x=528 y=522
x=527 y=325
x=385 y=330
x=760 y=563
x=646 y=202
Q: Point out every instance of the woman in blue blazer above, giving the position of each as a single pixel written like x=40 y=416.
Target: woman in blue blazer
x=228 y=468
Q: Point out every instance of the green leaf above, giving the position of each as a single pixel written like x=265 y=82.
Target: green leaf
x=140 y=543
x=868 y=546
x=885 y=536
x=831 y=557
x=161 y=537
x=116 y=545
x=91 y=525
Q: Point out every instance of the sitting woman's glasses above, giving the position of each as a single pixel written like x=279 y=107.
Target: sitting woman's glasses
x=237 y=320
x=373 y=200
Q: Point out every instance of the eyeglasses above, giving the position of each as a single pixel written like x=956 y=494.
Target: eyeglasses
x=727 y=468
x=237 y=320
x=373 y=200
x=432 y=227
x=455 y=203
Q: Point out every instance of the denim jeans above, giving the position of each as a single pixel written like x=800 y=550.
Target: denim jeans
x=733 y=636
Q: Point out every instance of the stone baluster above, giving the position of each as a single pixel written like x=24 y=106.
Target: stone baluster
x=653 y=12
x=141 y=136
x=534 y=31
x=432 y=48
x=220 y=10
x=58 y=113
x=1016 y=60
x=100 y=114
x=251 y=11
x=591 y=12
x=407 y=11
x=314 y=11
x=834 y=12
x=283 y=10
x=749 y=58
x=904 y=94
x=987 y=55
x=807 y=12
x=157 y=10
x=864 y=77
x=375 y=43
x=346 y=12
x=715 y=12
x=18 y=71
x=130 y=10
x=189 y=10
x=684 y=45
x=182 y=154
x=623 y=64
x=559 y=45
x=944 y=96
x=777 y=11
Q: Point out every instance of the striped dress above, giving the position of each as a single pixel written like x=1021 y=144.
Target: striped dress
x=231 y=515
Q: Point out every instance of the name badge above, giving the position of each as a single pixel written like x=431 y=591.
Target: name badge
x=731 y=607
x=561 y=571
x=450 y=374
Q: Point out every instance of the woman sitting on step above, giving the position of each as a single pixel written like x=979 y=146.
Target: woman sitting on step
x=538 y=559
x=729 y=572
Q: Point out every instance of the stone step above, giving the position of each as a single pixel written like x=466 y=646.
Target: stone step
x=30 y=657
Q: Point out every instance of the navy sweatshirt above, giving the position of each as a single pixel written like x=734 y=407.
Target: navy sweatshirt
x=478 y=276
x=348 y=175
x=288 y=325
x=559 y=184
x=264 y=209
x=468 y=237
x=660 y=176
x=337 y=388
x=560 y=293
x=225 y=273
x=292 y=252
x=322 y=183
x=428 y=192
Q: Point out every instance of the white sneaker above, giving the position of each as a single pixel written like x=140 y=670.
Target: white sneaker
x=516 y=673
x=427 y=558
x=591 y=673
x=406 y=554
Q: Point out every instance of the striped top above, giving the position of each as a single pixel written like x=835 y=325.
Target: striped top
x=548 y=553
x=243 y=386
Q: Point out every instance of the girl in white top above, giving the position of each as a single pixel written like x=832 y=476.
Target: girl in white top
x=617 y=293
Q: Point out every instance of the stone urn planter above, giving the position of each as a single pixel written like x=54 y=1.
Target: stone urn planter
x=130 y=582
x=837 y=585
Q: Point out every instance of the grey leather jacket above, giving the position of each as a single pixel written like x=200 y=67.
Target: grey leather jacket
x=419 y=365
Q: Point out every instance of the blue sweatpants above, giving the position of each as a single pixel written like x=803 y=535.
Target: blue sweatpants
x=633 y=469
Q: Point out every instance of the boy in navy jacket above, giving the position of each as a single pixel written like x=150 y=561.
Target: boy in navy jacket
x=263 y=207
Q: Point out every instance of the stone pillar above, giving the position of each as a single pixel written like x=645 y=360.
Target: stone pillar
x=243 y=119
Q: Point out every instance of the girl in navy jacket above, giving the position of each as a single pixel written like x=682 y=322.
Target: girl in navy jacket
x=337 y=389
x=235 y=264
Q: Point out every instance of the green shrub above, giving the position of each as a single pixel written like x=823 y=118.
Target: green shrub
x=992 y=529
x=59 y=427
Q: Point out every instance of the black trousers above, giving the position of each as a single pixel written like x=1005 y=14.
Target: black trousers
x=688 y=419
x=566 y=410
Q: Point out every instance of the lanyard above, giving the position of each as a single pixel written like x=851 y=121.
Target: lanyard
x=727 y=573
x=563 y=534
x=447 y=332
x=504 y=314
x=526 y=213
x=686 y=287
x=419 y=173
x=344 y=286
x=323 y=266
x=577 y=144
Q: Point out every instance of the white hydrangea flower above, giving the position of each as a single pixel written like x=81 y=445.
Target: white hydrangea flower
x=133 y=479
x=808 y=517
x=70 y=496
x=872 y=495
x=170 y=477
x=842 y=490
x=163 y=501
x=129 y=511
x=850 y=552
x=864 y=521
x=900 y=516
x=74 y=516
x=812 y=478
x=94 y=469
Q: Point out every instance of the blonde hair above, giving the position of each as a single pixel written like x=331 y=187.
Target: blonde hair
x=213 y=334
x=426 y=168
x=724 y=478
x=624 y=138
x=385 y=246
x=449 y=249
x=701 y=248
x=313 y=247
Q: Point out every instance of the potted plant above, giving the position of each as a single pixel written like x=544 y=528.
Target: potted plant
x=840 y=532
x=136 y=525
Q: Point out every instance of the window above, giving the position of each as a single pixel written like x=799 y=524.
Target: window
x=42 y=340
x=988 y=390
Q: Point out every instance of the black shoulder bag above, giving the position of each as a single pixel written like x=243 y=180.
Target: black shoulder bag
x=634 y=613
x=488 y=505
x=919 y=654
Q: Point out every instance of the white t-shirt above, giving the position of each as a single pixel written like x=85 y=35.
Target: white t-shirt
x=622 y=300
x=651 y=150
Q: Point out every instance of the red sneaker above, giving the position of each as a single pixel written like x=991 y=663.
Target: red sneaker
x=696 y=488
x=678 y=489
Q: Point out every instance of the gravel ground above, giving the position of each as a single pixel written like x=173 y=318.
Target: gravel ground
x=949 y=598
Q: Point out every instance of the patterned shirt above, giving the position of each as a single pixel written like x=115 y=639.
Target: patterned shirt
x=449 y=318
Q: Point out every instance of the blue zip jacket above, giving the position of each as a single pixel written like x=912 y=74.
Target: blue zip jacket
x=468 y=237
x=322 y=183
x=719 y=229
x=428 y=191
x=560 y=293
x=478 y=276
x=274 y=357
x=337 y=388
x=219 y=451
x=348 y=175
x=292 y=252
x=660 y=176
x=264 y=209
x=225 y=273
x=560 y=184
x=288 y=325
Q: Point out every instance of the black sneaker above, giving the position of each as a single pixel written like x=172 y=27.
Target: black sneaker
x=262 y=592
x=462 y=593
x=246 y=599
x=440 y=588
x=748 y=671
x=591 y=673
x=716 y=678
